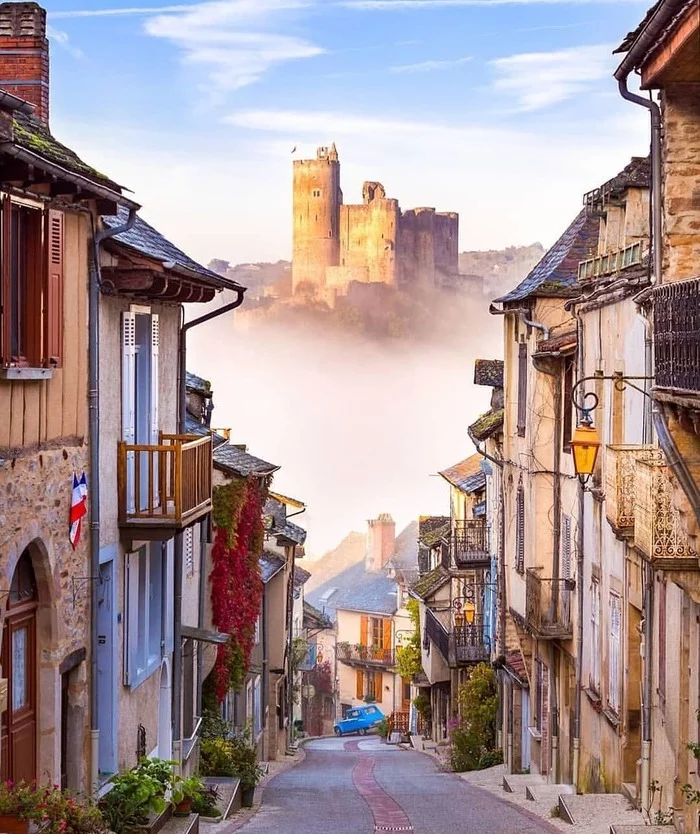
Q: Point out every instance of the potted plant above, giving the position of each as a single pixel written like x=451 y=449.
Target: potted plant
x=185 y=791
x=244 y=761
x=206 y=804
x=133 y=795
x=19 y=805
x=161 y=770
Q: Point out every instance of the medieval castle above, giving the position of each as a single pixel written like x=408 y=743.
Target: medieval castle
x=373 y=243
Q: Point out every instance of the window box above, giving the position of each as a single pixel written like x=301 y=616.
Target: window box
x=26 y=374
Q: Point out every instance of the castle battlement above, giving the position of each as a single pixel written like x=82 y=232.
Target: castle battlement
x=371 y=242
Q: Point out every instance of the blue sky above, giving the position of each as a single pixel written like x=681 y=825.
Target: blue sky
x=503 y=111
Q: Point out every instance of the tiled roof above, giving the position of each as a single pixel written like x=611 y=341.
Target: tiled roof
x=237 y=461
x=356 y=589
x=146 y=240
x=270 y=565
x=557 y=273
x=290 y=531
x=198 y=384
x=466 y=476
x=431 y=582
x=563 y=342
x=301 y=576
x=406 y=548
x=489 y=372
x=637 y=174
x=193 y=426
x=32 y=135
x=313 y=618
x=487 y=425
x=677 y=9
x=431 y=528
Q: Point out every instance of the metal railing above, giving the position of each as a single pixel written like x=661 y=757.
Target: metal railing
x=470 y=542
x=358 y=653
x=610 y=263
x=620 y=483
x=658 y=531
x=437 y=633
x=168 y=483
x=548 y=605
x=471 y=644
x=677 y=336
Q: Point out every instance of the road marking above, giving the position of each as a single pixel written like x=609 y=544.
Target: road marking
x=388 y=814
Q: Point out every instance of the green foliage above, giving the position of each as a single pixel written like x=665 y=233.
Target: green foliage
x=383 y=728
x=475 y=733
x=491 y=759
x=191 y=787
x=50 y=810
x=408 y=657
x=159 y=769
x=134 y=794
x=425 y=710
x=234 y=756
x=206 y=803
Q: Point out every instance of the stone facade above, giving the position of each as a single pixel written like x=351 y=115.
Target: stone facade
x=374 y=242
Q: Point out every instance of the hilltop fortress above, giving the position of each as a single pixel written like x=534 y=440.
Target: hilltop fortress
x=373 y=243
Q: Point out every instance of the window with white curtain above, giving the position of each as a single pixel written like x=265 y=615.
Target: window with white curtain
x=614 y=652
x=595 y=636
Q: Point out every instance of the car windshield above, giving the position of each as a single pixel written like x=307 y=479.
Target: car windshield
x=353 y=714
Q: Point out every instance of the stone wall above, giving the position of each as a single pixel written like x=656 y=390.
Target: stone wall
x=36 y=494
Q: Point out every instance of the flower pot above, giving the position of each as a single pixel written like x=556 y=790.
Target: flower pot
x=184 y=808
x=10 y=824
x=247 y=797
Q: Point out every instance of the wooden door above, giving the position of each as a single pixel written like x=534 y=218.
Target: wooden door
x=18 y=736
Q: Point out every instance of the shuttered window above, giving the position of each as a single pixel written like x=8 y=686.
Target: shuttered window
x=595 y=636
x=566 y=547
x=31 y=285
x=615 y=607
x=520 y=529
x=662 y=641
x=188 y=547
x=522 y=388
x=567 y=405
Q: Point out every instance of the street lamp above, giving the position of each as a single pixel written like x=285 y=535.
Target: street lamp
x=585 y=445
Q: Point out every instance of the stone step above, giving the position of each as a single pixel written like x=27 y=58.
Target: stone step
x=598 y=810
x=542 y=792
x=230 y=796
x=629 y=789
x=518 y=782
x=182 y=825
x=637 y=829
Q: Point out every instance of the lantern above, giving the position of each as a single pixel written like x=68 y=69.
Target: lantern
x=584 y=446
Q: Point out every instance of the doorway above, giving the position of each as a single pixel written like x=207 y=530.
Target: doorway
x=18 y=736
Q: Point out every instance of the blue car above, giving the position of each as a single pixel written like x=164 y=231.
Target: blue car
x=359 y=720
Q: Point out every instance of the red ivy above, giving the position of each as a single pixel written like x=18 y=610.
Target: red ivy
x=236 y=585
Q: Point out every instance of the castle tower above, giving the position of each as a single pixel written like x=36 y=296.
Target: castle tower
x=316 y=229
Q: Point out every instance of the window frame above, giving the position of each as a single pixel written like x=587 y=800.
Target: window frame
x=594 y=670
x=614 y=652
x=520 y=528
x=144 y=636
x=522 y=388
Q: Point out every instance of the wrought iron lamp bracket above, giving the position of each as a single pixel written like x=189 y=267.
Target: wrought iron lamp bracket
x=621 y=382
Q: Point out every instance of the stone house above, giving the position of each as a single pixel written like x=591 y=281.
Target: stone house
x=663 y=51
x=539 y=503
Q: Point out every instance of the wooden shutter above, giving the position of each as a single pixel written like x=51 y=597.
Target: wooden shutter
x=169 y=593
x=364 y=630
x=386 y=635
x=378 y=692
x=53 y=321
x=522 y=388
x=131 y=617
x=155 y=419
x=614 y=662
x=129 y=400
x=662 y=640
x=520 y=529
x=359 y=685
x=6 y=279
x=566 y=547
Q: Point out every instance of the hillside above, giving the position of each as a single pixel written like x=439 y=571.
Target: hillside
x=501 y=269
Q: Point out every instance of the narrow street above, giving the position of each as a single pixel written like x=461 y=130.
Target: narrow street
x=355 y=785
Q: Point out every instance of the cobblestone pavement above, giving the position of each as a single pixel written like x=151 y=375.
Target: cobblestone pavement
x=361 y=786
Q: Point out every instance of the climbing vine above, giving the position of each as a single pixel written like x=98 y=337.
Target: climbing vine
x=236 y=585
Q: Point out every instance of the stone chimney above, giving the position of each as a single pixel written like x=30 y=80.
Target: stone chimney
x=381 y=542
x=24 y=55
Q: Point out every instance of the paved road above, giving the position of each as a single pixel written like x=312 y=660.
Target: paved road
x=360 y=786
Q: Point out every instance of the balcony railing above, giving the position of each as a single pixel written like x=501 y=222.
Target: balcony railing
x=658 y=531
x=437 y=634
x=168 y=485
x=548 y=605
x=470 y=546
x=677 y=336
x=610 y=263
x=620 y=483
x=471 y=645
x=365 y=655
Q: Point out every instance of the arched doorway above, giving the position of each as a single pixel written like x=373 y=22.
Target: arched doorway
x=18 y=740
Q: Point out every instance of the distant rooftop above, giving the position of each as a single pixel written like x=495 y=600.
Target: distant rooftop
x=466 y=476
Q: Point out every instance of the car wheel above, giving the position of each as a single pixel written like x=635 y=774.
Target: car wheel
x=337 y=732
x=363 y=732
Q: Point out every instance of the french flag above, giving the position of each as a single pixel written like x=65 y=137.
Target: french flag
x=78 y=509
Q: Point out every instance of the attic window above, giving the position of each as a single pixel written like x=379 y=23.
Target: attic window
x=316 y=193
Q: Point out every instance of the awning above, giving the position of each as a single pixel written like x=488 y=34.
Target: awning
x=203 y=635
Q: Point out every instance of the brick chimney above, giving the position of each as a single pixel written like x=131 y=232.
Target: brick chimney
x=24 y=55
x=381 y=542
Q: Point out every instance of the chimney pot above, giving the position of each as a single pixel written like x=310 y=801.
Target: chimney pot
x=381 y=542
x=24 y=55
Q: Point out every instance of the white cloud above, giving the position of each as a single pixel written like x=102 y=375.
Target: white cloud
x=429 y=66
x=63 y=40
x=402 y=5
x=540 y=79
x=232 y=38
x=126 y=12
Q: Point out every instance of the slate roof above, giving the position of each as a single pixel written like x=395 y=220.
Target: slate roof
x=356 y=589
x=147 y=241
x=237 y=461
x=313 y=618
x=562 y=342
x=489 y=372
x=431 y=528
x=487 y=425
x=193 y=426
x=301 y=576
x=637 y=174
x=293 y=532
x=467 y=475
x=279 y=525
x=679 y=7
x=431 y=582
x=270 y=565
x=198 y=384
x=556 y=275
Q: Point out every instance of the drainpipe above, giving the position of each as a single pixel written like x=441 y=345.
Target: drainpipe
x=177 y=569
x=522 y=313
x=204 y=540
x=94 y=433
x=265 y=698
x=290 y=652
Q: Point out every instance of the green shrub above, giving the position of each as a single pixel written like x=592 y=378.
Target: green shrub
x=216 y=757
x=475 y=732
x=490 y=759
x=383 y=727
x=132 y=796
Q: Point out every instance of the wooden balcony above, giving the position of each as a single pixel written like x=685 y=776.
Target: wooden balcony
x=677 y=338
x=359 y=655
x=164 y=488
x=620 y=481
x=470 y=644
x=548 y=606
x=470 y=544
x=658 y=531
